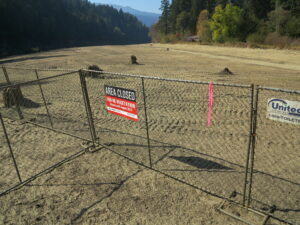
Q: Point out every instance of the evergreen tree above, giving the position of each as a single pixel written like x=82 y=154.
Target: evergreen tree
x=48 y=24
x=174 y=12
x=165 y=16
x=182 y=22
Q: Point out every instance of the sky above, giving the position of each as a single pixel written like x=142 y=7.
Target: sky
x=143 y=5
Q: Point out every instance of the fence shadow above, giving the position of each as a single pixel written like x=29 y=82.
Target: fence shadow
x=27 y=103
x=200 y=162
x=77 y=184
x=202 y=154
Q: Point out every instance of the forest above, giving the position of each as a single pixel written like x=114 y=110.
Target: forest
x=37 y=25
x=252 y=21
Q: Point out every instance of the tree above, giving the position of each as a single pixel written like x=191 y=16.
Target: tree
x=153 y=33
x=293 y=27
x=260 y=8
x=232 y=20
x=196 y=7
x=182 y=22
x=174 y=11
x=226 y=23
x=285 y=18
x=165 y=16
x=203 y=29
x=38 y=25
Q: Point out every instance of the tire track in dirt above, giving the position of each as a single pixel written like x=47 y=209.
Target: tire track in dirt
x=109 y=195
x=242 y=60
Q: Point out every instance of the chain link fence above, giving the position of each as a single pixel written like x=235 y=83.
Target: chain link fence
x=211 y=158
x=165 y=129
x=28 y=108
x=276 y=177
x=125 y=136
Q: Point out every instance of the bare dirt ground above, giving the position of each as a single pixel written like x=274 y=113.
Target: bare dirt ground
x=103 y=188
x=271 y=67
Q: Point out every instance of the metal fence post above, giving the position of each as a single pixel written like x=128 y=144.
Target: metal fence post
x=253 y=145
x=10 y=149
x=14 y=97
x=249 y=145
x=146 y=121
x=43 y=96
x=87 y=106
x=6 y=75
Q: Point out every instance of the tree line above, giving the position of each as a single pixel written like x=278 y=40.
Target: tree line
x=35 y=25
x=228 y=20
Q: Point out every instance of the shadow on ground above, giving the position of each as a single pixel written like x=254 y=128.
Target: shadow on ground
x=29 y=58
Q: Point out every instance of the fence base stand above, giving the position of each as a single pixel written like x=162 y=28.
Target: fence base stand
x=241 y=213
x=94 y=149
x=90 y=147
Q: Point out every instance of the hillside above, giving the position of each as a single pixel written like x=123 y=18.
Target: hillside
x=31 y=26
x=271 y=22
x=146 y=18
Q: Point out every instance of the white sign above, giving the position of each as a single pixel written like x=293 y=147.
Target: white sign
x=283 y=111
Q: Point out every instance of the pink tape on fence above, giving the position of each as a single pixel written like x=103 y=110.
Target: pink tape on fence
x=210 y=103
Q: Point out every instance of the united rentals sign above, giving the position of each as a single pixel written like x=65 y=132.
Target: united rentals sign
x=284 y=110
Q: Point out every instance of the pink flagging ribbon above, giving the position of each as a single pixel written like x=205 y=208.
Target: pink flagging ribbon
x=210 y=103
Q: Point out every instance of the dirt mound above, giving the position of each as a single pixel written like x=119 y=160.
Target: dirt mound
x=93 y=74
x=133 y=59
x=226 y=71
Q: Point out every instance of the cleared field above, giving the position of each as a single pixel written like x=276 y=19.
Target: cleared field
x=210 y=158
x=271 y=67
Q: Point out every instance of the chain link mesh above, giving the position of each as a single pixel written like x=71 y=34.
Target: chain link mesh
x=52 y=103
x=35 y=149
x=180 y=143
x=276 y=179
x=124 y=136
x=8 y=176
x=211 y=158
x=20 y=75
x=2 y=78
x=65 y=104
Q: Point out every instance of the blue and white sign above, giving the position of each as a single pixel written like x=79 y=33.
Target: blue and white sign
x=284 y=111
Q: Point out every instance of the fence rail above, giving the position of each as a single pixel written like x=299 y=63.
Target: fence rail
x=165 y=129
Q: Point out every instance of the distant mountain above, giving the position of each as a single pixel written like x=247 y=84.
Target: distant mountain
x=146 y=18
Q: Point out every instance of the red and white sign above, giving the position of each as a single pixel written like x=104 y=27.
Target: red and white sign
x=121 y=102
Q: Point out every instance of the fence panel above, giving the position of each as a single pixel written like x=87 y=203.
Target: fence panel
x=181 y=144
x=126 y=136
x=2 y=78
x=35 y=150
x=276 y=179
x=66 y=106
x=8 y=175
x=30 y=102
x=20 y=75
x=211 y=158
x=169 y=133
x=55 y=102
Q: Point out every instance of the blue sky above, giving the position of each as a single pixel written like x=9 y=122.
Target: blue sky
x=143 y=5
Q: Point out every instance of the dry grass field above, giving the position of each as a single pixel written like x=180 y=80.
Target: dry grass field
x=103 y=188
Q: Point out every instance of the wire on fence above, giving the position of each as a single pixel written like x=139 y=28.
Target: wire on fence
x=165 y=129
